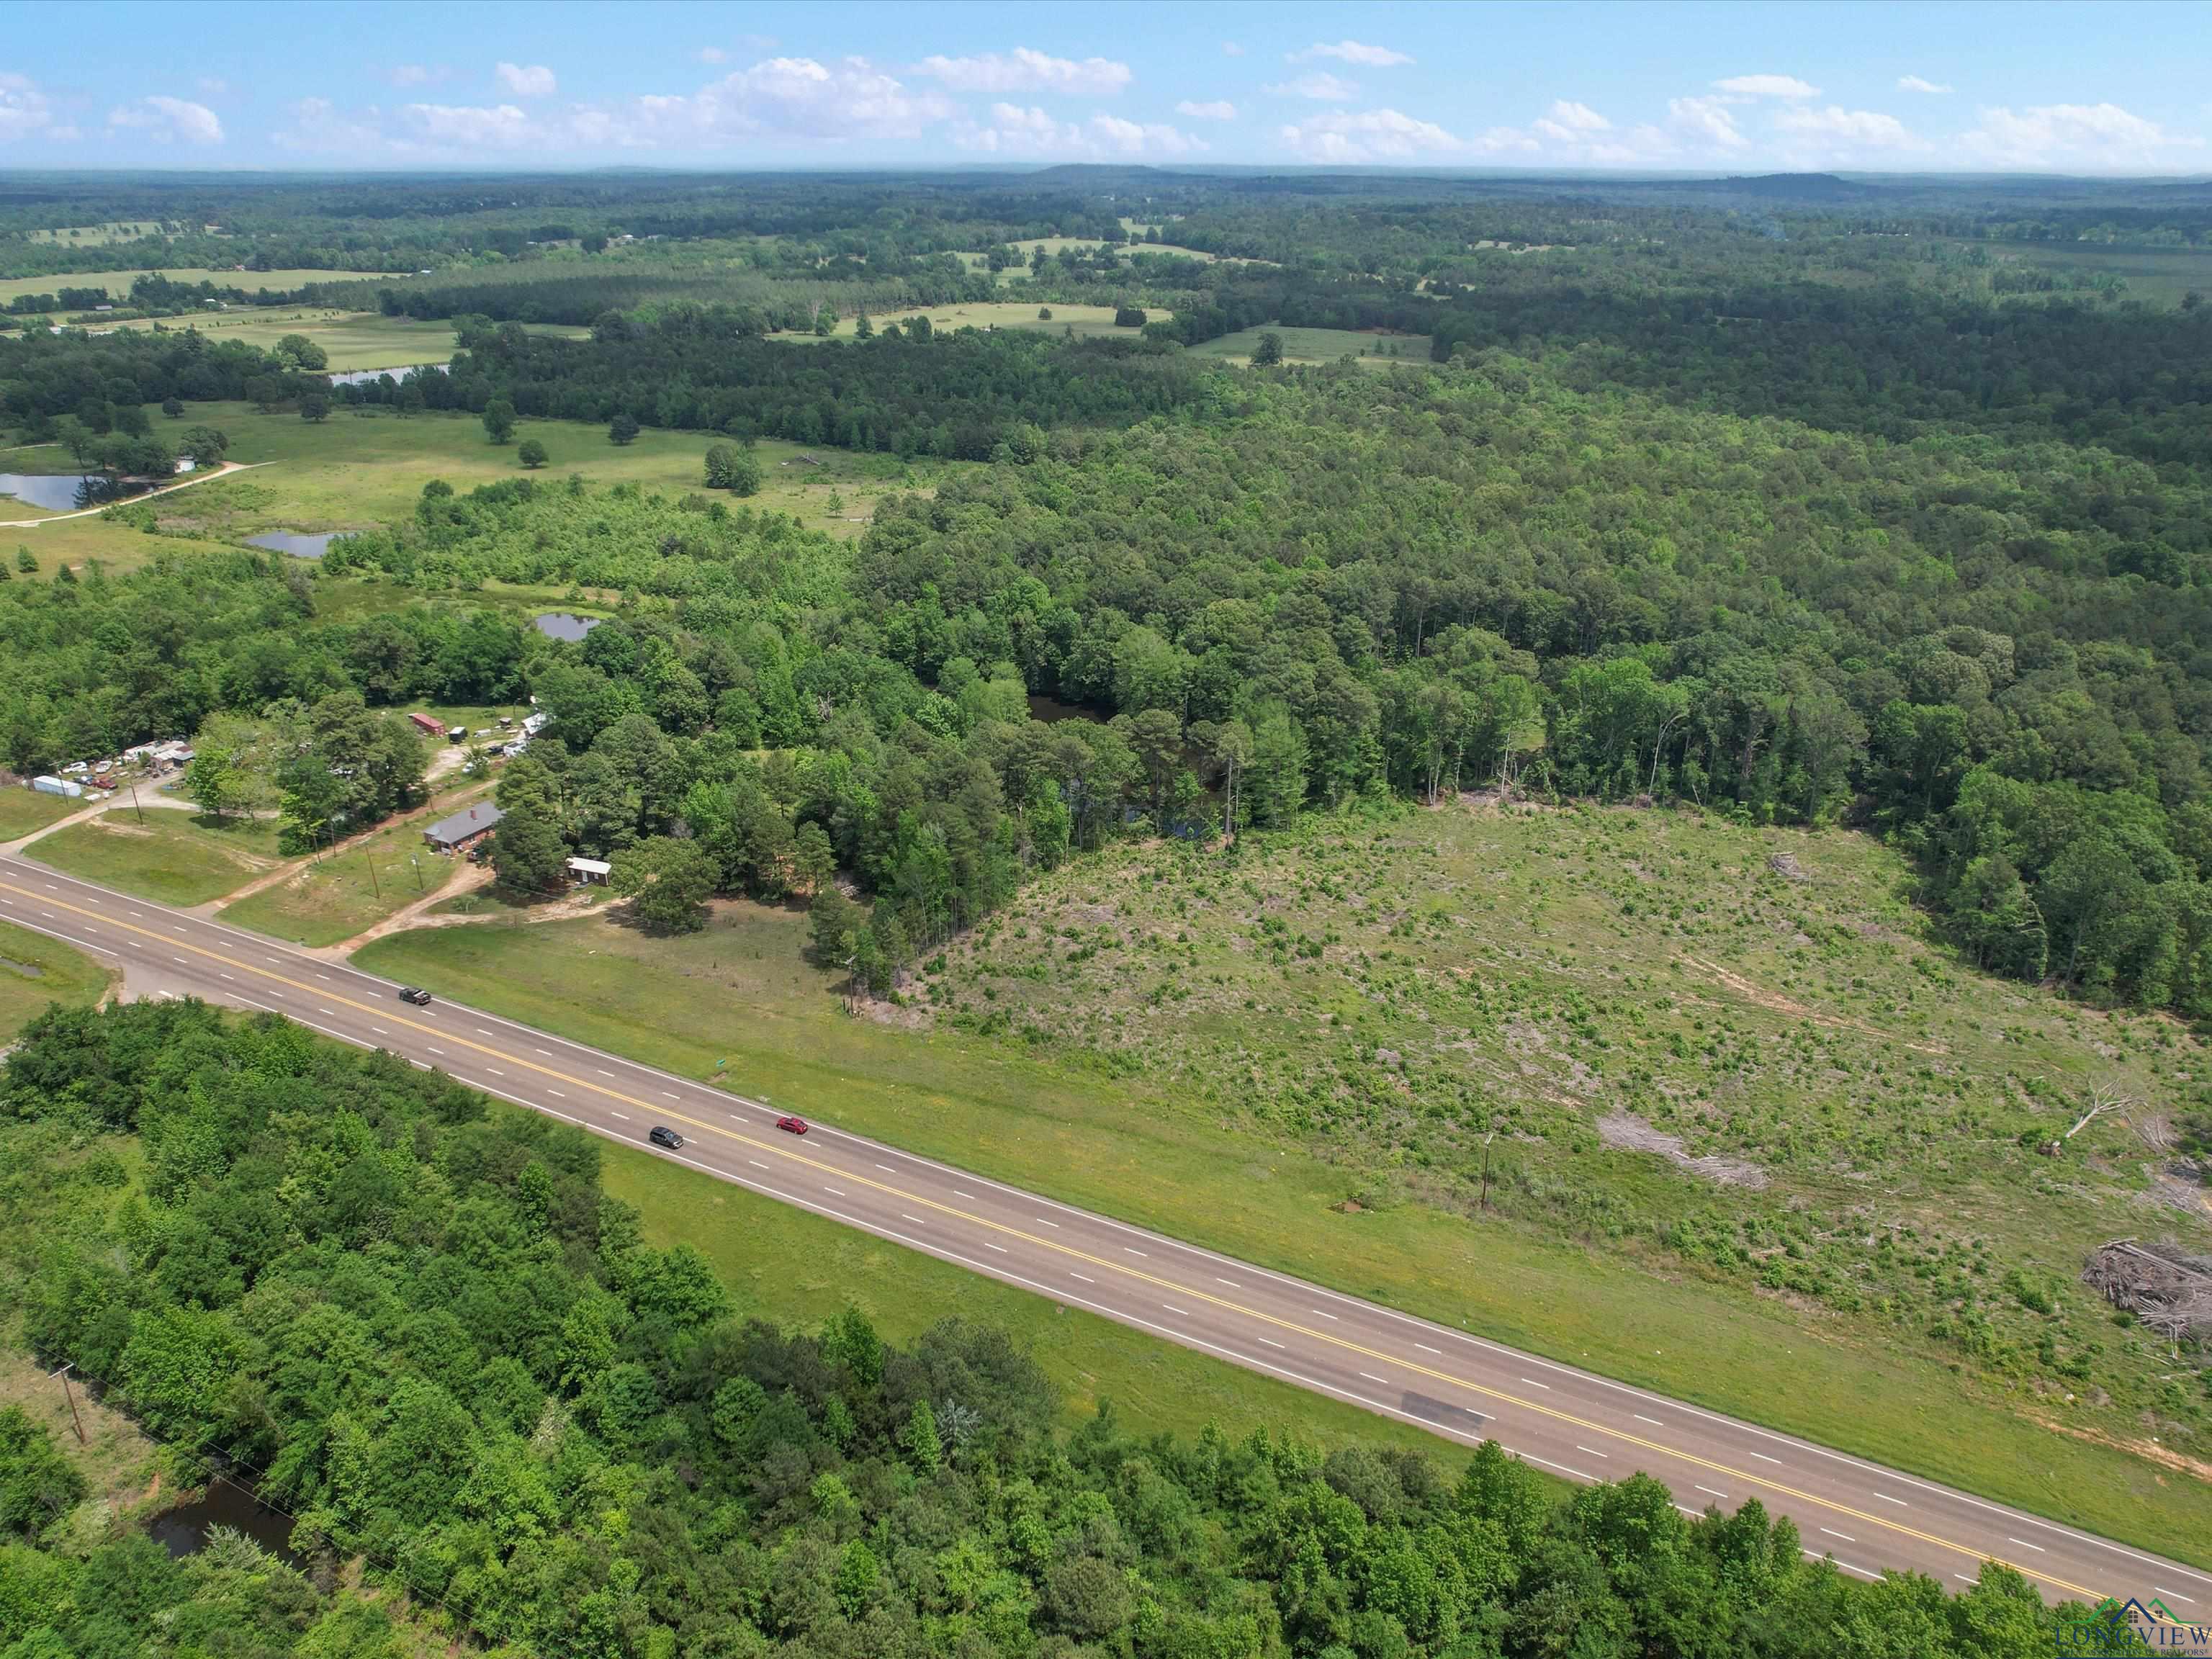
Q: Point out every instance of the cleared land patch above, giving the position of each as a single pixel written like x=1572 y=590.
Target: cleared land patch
x=1295 y=1057
x=1322 y=345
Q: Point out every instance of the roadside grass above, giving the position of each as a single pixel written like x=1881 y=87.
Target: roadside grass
x=35 y=971
x=798 y=1269
x=117 y=283
x=1118 y=1096
x=22 y=810
x=121 y=1466
x=173 y=858
x=1322 y=345
x=337 y=895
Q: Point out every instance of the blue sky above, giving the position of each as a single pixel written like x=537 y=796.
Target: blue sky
x=2107 y=88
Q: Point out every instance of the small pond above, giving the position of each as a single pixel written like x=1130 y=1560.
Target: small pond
x=57 y=492
x=366 y=376
x=1051 y=709
x=185 y=1528
x=297 y=544
x=560 y=625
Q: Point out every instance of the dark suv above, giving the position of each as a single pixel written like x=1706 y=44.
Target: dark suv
x=415 y=995
x=661 y=1135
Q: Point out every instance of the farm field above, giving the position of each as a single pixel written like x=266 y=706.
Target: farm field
x=35 y=971
x=1295 y=1059
x=1321 y=345
x=117 y=283
x=359 y=469
x=354 y=339
x=173 y=858
x=1087 y=321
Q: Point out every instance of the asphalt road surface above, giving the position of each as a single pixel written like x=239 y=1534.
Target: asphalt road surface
x=1455 y=1385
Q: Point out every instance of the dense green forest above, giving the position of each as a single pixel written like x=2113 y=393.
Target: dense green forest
x=447 y=1351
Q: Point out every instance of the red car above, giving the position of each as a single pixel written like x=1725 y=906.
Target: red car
x=796 y=1124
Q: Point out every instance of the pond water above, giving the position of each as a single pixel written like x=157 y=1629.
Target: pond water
x=27 y=969
x=364 y=376
x=185 y=1528
x=299 y=544
x=1051 y=709
x=57 y=492
x=560 y=625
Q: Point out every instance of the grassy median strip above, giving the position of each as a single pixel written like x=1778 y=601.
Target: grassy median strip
x=799 y=1269
x=35 y=971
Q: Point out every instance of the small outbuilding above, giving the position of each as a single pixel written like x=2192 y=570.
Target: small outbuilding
x=464 y=830
x=590 y=872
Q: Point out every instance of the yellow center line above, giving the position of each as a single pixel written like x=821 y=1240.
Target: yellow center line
x=785 y=1150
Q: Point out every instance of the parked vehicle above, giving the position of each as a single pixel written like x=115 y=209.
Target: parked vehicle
x=794 y=1125
x=661 y=1135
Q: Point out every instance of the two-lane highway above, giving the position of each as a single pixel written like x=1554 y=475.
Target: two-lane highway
x=1579 y=1425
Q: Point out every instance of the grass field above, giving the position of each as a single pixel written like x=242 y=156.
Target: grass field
x=355 y=340
x=2159 y=275
x=173 y=858
x=798 y=1270
x=355 y=471
x=1321 y=345
x=35 y=971
x=117 y=283
x=1087 y=321
x=341 y=893
x=1234 y=1089
x=22 y=810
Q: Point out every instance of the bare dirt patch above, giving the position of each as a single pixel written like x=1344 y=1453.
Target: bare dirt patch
x=1626 y=1130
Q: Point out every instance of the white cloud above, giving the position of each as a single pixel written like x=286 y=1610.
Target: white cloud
x=214 y=86
x=1014 y=130
x=467 y=127
x=1230 y=49
x=779 y=101
x=2099 y=136
x=1320 y=86
x=711 y=55
x=1579 y=118
x=1765 y=86
x=167 y=120
x=1914 y=83
x=1367 y=136
x=320 y=126
x=1219 y=110
x=1703 y=121
x=416 y=75
x=1848 y=129
x=24 y=108
x=1349 y=51
x=1026 y=70
x=526 y=80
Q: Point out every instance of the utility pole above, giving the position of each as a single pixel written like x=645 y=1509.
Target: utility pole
x=70 y=1396
x=416 y=863
x=135 y=806
x=368 y=858
x=1486 y=1139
